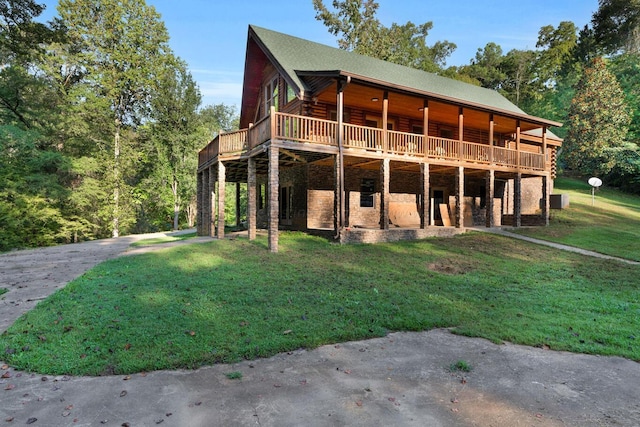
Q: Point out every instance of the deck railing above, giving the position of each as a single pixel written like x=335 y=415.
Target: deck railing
x=291 y=127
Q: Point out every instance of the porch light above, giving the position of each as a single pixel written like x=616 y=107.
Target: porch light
x=375 y=99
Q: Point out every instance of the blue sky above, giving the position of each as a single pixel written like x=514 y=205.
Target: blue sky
x=210 y=35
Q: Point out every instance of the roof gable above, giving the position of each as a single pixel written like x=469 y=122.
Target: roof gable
x=296 y=58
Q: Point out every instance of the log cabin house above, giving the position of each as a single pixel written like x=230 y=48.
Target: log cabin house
x=366 y=150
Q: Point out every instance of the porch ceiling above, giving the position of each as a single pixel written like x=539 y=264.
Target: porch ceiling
x=363 y=97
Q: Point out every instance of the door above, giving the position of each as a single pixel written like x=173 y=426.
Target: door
x=286 y=205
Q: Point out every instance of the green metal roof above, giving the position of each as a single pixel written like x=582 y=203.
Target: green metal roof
x=296 y=56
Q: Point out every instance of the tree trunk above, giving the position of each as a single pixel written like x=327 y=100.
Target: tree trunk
x=176 y=203
x=116 y=181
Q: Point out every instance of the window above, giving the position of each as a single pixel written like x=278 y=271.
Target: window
x=367 y=190
x=271 y=95
x=417 y=129
x=291 y=95
x=446 y=133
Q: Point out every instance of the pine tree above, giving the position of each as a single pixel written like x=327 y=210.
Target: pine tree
x=598 y=122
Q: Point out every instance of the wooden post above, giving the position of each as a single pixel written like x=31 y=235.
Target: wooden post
x=252 y=198
x=424 y=195
x=222 y=182
x=518 y=144
x=425 y=125
x=491 y=134
x=544 y=147
x=461 y=132
x=274 y=206
x=384 y=193
x=517 y=200
x=385 y=121
x=459 y=197
x=340 y=188
x=490 y=193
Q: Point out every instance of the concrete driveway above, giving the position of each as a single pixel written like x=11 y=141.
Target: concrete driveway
x=399 y=380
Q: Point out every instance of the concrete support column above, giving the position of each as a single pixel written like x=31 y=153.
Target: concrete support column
x=517 y=201
x=222 y=182
x=384 y=194
x=546 y=190
x=274 y=193
x=490 y=186
x=252 y=198
x=424 y=195
x=211 y=204
x=459 y=220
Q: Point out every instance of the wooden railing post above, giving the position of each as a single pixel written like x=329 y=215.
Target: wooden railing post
x=272 y=118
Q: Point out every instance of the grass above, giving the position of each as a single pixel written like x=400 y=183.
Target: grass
x=3 y=291
x=229 y=300
x=611 y=227
x=163 y=239
x=460 y=366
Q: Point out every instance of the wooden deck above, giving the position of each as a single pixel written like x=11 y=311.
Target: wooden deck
x=362 y=139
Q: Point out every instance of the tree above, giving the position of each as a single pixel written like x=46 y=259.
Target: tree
x=598 y=122
x=486 y=67
x=616 y=25
x=361 y=32
x=122 y=45
x=175 y=133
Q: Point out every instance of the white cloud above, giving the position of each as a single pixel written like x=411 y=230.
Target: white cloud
x=217 y=92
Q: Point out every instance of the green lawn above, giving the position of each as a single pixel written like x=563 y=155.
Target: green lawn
x=164 y=239
x=230 y=300
x=611 y=227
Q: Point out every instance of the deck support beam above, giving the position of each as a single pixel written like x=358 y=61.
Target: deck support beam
x=459 y=220
x=424 y=195
x=274 y=206
x=517 y=200
x=490 y=185
x=384 y=193
x=222 y=182
x=252 y=198
x=461 y=133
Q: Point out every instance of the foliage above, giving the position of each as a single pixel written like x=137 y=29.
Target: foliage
x=598 y=122
x=229 y=300
x=616 y=26
x=361 y=32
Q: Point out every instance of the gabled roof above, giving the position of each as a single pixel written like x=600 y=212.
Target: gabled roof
x=296 y=58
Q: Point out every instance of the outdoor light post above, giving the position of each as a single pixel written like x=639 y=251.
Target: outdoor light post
x=594 y=183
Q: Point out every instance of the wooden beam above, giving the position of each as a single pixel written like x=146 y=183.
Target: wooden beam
x=459 y=220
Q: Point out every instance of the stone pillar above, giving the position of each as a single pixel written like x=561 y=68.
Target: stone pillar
x=199 y=189
x=274 y=206
x=424 y=195
x=459 y=220
x=517 y=201
x=546 y=190
x=211 y=203
x=222 y=182
x=384 y=194
x=252 y=198
x=490 y=186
